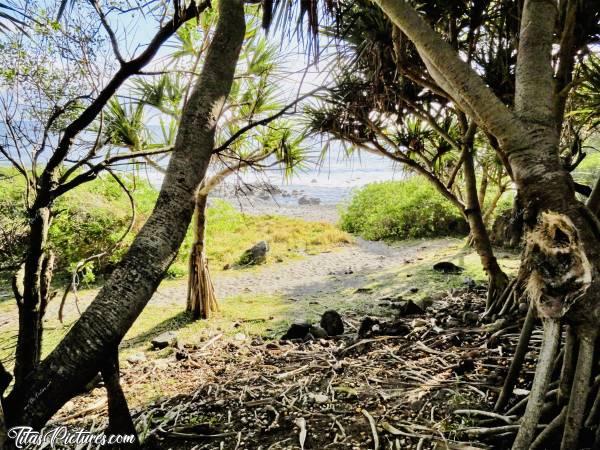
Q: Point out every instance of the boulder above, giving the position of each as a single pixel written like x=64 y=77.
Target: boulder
x=305 y=331
x=164 y=340
x=318 y=332
x=332 y=323
x=370 y=327
x=304 y=200
x=447 y=267
x=297 y=331
x=257 y=254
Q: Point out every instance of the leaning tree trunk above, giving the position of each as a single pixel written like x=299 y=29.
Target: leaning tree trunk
x=31 y=287
x=497 y=279
x=201 y=298
x=561 y=259
x=77 y=359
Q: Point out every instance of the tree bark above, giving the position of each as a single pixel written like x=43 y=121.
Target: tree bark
x=33 y=298
x=497 y=279
x=102 y=326
x=201 y=298
x=119 y=418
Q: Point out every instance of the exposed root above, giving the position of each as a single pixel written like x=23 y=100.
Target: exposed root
x=202 y=300
x=552 y=428
x=579 y=391
x=568 y=366
x=540 y=385
x=517 y=361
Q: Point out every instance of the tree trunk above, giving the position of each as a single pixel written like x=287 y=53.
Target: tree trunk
x=497 y=279
x=119 y=418
x=201 y=298
x=102 y=326
x=31 y=291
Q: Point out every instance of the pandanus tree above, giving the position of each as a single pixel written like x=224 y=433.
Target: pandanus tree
x=384 y=102
x=252 y=134
x=560 y=265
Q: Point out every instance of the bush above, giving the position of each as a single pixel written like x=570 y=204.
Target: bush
x=88 y=220
x=401 y=210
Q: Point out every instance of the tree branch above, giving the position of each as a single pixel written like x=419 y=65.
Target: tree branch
x=91 y=112
x=460 y=81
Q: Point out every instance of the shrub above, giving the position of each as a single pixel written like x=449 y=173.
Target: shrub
x=401 y=210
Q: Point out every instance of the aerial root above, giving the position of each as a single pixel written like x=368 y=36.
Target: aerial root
x=552 y=428
x=496 y=302
x=540 y=385
x=568 y=366
x=579 y=391
x=517 y=361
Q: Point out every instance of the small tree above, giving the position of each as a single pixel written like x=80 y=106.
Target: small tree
x=252 y=134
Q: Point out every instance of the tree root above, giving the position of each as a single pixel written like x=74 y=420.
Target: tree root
x=517 y=361
x=568 y=366
x=202 y=300
x=540 y=385
x=571 y=401
x=579 y=391
x=552 y=428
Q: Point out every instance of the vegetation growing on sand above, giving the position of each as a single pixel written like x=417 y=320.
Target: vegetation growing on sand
x=396 y=210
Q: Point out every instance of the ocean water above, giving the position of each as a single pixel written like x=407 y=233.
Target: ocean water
x=331 y=180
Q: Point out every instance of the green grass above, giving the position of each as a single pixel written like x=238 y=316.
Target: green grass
x=396 y=210
x=230 y=232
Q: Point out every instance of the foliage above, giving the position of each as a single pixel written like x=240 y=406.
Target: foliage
x=401 y=210
x=93 y=217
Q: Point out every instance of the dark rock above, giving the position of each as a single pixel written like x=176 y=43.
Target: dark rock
x=318 y=332
x=470 y=283
x=304 y=200
x=181 y=355
x=367 y=327
x=464 y=366
x=164 y=340
x=256 y=254
x=264 y=197
x=411 y=308
x=447 y=267
x=297 y=331
x=332 y=323
x=370 y=327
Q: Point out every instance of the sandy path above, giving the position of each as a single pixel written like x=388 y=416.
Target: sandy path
x=312 y=276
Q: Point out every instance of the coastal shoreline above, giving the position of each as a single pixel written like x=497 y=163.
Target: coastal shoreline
x=267 y=204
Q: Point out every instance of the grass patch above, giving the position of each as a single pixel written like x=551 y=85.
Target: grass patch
x=229 y=233
x=91 y=219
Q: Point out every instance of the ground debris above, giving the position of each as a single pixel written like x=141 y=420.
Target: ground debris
x=422 y=389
